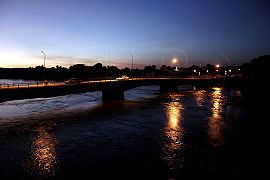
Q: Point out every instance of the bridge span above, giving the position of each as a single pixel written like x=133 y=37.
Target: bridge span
x=112 y=89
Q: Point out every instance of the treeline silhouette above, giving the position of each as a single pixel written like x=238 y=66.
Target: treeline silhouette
x=257 y=68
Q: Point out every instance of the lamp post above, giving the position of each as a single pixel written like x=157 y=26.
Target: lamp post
x=175 y=61
x=218 y=68
x=131 y=64
x=44 y=64
x=131 y=61
x=44 y=57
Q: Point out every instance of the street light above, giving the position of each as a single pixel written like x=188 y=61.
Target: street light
x=131 y=60
x=175 y=60
x=218 y=68
x=44 y=57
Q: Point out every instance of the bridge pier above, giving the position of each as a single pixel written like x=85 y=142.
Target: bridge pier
x=112 y=94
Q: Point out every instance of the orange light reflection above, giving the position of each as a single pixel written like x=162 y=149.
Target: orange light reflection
x=174 y=133
x=43 y=157
x=216 y=122
x=199 y=96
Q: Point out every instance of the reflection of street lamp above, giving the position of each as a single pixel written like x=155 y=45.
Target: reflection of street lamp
x=175 y=60
x=44 y=57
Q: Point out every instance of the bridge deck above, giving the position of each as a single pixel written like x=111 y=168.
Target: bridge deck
x=46 y=84
x=24 y=91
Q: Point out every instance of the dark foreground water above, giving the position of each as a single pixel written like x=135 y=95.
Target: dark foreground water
x=149 y=135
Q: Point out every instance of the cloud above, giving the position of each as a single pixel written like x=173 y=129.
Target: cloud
x=53 y=60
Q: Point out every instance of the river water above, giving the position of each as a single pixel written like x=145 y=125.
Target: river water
x=148 y=135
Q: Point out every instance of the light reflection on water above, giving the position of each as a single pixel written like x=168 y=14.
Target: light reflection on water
x=216 y=122
x=199 y=115
x=200 y=96
x=173 y=143
x=174 y=133
x=43 y=157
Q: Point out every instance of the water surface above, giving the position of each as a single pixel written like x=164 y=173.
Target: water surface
x=146 y=135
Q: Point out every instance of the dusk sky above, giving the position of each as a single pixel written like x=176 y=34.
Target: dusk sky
x=228 y=32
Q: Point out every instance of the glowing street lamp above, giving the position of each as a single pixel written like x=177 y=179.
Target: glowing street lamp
x=175 y=60
x=217 y=66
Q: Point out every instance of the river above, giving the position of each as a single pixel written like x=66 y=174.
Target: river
x=148 y=135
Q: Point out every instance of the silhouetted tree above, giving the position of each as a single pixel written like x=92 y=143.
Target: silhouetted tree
x=210 y=68
x=113 y=71
x=150 y=70
x=126 y=71
x=258 y=68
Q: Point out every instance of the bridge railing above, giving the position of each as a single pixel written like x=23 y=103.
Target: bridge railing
x=29 y=84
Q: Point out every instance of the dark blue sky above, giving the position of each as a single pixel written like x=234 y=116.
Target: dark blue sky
x=90 y=31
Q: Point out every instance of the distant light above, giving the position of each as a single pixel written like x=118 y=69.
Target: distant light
x=207 y=71
x=194 y=70
x=230 y=70
x=217 y=70
x=217 y=65
x=174 y=60
x=239 y=69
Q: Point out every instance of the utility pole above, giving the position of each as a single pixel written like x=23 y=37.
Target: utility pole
x=131 y=61
x=44 y=64
x=110 y=58
x=44 y=57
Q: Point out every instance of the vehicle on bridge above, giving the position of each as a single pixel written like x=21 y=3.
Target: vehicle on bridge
x=124 y=77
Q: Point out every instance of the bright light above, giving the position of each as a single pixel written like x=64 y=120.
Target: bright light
x=174 y=60
x=217 y=65
x=16 y=59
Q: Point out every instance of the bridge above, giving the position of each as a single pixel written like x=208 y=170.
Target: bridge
x=112 y=89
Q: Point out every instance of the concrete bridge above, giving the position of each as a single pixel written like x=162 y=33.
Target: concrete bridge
x=112 y=89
